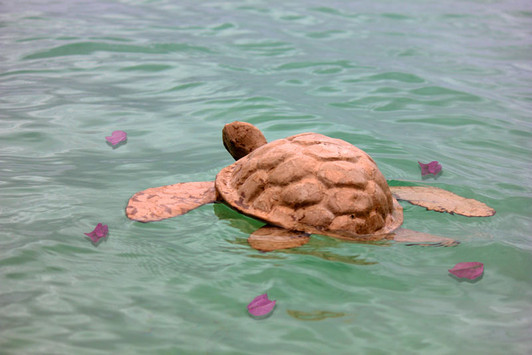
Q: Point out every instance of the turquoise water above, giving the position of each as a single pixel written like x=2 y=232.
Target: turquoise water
x=405 y=81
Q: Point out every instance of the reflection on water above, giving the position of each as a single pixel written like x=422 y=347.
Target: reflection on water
x=314 y=315
x=318 y=245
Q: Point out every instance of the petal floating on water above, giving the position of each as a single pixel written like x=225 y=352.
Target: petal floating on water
x=100 y=231
x=117 y=137
x=468 y=270
x=431 y=168
x=261 y=306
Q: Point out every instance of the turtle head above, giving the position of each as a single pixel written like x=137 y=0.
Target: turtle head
x=241 y=138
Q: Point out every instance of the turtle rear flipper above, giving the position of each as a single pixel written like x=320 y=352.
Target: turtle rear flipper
x=436 y=199
x=158 y=203
x=411 y=237
x=269 y=238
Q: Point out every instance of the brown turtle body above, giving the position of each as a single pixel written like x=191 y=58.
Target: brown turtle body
x=302 y=185
x=312 y=183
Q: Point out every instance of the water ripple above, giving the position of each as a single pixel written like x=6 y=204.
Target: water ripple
x=86 y=48
x=172 y=74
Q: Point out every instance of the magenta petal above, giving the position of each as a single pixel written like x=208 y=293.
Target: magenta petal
x=100 y=231
x=431 y=168
x=469 y=270
x=261 y=306
x=117 y=137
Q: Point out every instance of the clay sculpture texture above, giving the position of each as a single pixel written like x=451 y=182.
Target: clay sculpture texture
x=302 y=185
x=312 y=183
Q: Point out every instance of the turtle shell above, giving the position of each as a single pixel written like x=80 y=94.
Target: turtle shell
x=312 y=183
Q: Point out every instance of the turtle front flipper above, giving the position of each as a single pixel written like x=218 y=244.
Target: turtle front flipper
x=269 y=238
x=403 y=235
x=158 y=203
x=436 y=199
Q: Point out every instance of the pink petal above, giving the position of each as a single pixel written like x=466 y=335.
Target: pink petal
x=261 y=306
x=117 y=137
x=431 y=168
x=100 y=231
x=469 y=270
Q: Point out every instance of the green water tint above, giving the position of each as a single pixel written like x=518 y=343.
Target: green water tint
x=309 y=249
x=171 y=74
x=314 y=248
x=314 y=315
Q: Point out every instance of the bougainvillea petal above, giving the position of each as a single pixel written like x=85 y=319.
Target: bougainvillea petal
x=117 y=137
x=439 y=200
x=99 y=232
x=468 y=270
x=431 y=168
x=261 y=306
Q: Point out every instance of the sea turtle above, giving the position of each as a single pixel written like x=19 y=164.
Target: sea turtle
x=302 y=185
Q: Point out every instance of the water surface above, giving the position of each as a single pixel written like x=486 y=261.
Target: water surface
x=446 y=81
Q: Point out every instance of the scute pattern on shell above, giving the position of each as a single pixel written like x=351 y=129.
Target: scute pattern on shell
x=312 y=183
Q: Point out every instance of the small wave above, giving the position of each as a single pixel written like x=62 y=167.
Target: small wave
x=86 y=48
